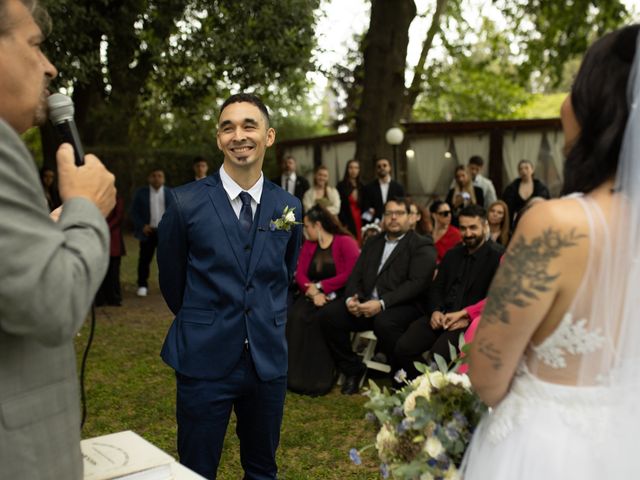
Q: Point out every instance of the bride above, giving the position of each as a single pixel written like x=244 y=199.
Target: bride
x=557 y=353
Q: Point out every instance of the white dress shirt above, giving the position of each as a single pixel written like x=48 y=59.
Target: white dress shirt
x=384 y=190
x=156 y=205
x=233 y=192
x=288 y=182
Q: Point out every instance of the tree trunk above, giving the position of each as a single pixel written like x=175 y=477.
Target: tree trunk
x=385 y=53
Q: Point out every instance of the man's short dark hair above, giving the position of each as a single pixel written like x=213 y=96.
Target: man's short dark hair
x=199 y=159
x=461 y=167
x=156 y=169
x=248 y=98
x=473 y=211
x=400 y=201
x=476 y=160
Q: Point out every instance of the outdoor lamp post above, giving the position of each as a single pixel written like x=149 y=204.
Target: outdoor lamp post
x=394 y=137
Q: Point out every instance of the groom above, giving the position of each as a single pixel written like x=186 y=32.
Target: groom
x=226 y=254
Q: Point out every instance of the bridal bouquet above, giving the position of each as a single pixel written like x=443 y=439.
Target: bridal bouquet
x=426 y=426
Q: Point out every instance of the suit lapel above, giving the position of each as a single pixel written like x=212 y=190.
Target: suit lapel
x=228 y=219
x=264 y=217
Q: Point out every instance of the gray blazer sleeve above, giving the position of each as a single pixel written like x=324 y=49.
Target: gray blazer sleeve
x=50 y=271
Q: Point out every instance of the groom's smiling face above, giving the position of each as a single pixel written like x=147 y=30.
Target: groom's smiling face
x=244 y=134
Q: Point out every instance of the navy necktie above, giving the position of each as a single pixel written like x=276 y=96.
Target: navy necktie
x=246 y=214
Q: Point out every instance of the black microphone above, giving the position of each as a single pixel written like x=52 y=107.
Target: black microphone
x=61 y=116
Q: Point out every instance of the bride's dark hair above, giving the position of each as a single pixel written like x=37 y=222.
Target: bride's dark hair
x=599 y=100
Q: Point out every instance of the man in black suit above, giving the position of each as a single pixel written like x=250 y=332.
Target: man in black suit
x=376 y=193
x=463 y=279
x=382 y=293
x=290 y=181
x=148 y=207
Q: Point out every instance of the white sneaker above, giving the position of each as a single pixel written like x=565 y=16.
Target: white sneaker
x=142 y=291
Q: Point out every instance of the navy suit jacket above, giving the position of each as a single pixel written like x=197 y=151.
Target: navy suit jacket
x=219 y=298
x=141 y=210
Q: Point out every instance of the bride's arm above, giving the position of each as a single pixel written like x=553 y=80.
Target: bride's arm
x=521 y=294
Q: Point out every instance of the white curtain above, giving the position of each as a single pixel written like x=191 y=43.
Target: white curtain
x=335 y=157
x=430 y=172
x=518 y=146
x=556 y=147
x=468 y=145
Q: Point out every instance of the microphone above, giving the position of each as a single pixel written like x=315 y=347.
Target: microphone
x=61 y=115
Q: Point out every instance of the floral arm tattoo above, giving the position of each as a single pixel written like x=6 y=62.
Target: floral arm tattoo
x=520 y=279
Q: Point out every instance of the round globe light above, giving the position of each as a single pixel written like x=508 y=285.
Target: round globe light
x=411 y=154
x=394 y=136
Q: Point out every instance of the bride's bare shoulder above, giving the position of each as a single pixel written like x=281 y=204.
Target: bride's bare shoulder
x=561 y=214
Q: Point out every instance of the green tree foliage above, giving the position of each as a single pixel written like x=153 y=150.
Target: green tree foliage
x=474 y=81
x=550 y=32
x=145 y=70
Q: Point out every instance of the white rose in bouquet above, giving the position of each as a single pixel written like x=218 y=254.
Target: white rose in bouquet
x=433 y=447
x=422 y=389
x=437 y=379
x=385 y=442
x=458 y=379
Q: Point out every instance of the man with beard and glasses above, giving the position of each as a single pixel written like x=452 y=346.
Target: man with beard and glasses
x=463 y=278
x=51 y=265
x=382 y=294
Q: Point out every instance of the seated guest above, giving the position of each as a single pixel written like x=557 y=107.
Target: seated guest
x=414 y=215
x=445 y=235
x=463 y=278
x=326 y=260
x=321 y=193
x=382 y=294
x=370 y=230
x=522 y=189
x=467 y=316
x=48 y=180
x=424 y=224
x=498 y=218
x=350 y=191
x=376 y=193
x=463 y=193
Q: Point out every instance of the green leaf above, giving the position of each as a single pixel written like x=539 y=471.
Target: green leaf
x=442 y=364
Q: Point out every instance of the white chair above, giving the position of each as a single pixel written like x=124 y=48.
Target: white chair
x=369 y=350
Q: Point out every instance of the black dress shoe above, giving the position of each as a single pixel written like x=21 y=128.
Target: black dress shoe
x=351 y=384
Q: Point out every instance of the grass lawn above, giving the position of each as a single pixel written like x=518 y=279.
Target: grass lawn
x=130 y=388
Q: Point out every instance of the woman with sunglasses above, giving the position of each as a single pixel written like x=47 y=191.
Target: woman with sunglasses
x=445 y=235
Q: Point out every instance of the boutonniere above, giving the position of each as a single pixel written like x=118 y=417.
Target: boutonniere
x=286 y=221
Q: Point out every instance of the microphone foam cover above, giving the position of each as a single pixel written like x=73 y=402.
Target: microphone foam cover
x=60 y=108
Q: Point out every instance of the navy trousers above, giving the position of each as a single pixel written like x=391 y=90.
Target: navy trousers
x=203 y=408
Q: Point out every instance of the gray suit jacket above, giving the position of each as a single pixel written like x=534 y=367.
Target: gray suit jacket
x=49 y=274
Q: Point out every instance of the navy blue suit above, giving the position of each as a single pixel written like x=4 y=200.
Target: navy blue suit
x=228 y=290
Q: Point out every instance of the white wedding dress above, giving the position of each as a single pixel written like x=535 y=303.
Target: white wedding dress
x=573 y=407
x=546 y=421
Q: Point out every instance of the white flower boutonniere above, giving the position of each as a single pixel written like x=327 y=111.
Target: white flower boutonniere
x=286 y=221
